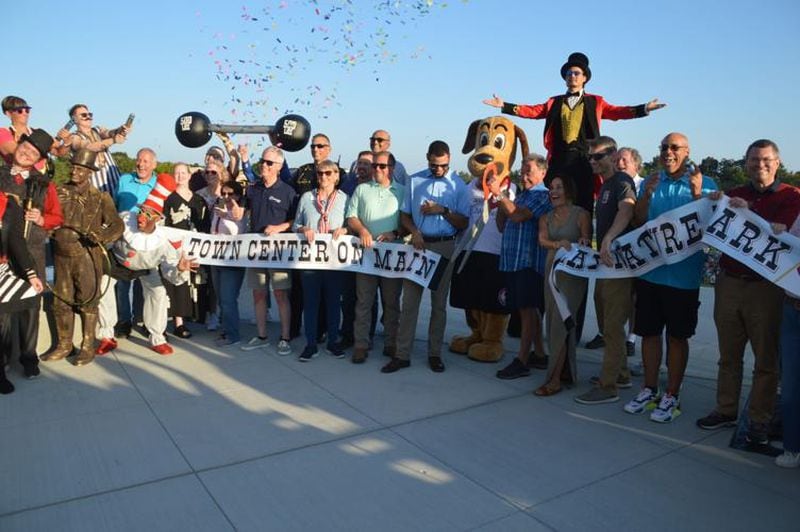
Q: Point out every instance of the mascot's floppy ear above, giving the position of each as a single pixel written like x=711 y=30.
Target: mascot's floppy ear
x=469 y=142
x=523 y=144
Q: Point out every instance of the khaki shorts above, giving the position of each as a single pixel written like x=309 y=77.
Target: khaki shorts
x=260 y=279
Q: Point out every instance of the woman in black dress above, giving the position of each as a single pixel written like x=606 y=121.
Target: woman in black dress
x=184 y=209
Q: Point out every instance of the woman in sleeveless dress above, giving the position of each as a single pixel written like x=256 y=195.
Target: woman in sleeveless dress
x=565 y=225
x=185 y=210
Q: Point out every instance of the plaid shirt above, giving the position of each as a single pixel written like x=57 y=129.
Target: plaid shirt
x=521 y=248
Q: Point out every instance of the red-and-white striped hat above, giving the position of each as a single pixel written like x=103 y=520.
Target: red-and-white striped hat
x=165 y=185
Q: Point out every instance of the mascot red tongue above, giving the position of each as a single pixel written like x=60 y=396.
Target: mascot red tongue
x=478 y=286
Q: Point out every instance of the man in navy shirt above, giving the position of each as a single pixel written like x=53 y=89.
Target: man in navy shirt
x=272 y=206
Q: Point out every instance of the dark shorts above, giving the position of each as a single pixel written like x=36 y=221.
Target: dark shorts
x=659 y=306
x=480 y=285
x=524 y=289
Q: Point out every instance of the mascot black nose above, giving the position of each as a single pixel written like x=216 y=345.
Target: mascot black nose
x=484 y=158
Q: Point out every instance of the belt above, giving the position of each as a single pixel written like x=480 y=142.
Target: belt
x=743 y=276
x=430 y=239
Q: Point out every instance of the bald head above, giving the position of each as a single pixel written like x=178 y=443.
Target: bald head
x=380 y=140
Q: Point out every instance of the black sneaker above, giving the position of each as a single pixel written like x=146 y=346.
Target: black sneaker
x=514 y=370
x=537 y=361
x=308 y=353
x=123 y=329
x=596 y=343
x=715 y=421
x=31 y=372
x=335 y=350
x=757 y=434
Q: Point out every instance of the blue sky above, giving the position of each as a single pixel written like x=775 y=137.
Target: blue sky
x=727 y=71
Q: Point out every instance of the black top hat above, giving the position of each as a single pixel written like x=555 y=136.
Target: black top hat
x=579 y=60
x=85 y=158
x=40 y=139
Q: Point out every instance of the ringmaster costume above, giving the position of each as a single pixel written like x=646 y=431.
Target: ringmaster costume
x=90 y=223
x=571 y=120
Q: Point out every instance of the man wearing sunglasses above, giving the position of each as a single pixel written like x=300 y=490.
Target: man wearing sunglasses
x=614 y=211
x=379 y=141
x=571 y=120
x=373 y=214
x=272 y=204
x=668 y=297
x=435 y=208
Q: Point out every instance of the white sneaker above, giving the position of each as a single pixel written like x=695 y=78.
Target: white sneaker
x=667 y=410
x=646 y=400
x=284 y=348
x=788 y=459
x=254 y=343
x=212 y=322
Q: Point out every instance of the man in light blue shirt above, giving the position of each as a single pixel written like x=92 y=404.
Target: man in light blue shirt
x=668 y=297
x=435 y=208
x=134 y=187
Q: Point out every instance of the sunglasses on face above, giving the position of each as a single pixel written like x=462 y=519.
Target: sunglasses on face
x=20 y=110
x=268 y=162
x=149 y=215
x=433 y=166
x=670 y=147
x=378 y=140
x=599 y=156
x=326 y=173
x=382 y=166
x=86 y=116
x=569 y=73
x=319 y=146
x=227 y=194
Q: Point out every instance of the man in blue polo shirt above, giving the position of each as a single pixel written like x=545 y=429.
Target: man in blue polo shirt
x=132 y=190
x=272 y=206
x=668 y=297
x=435 y=207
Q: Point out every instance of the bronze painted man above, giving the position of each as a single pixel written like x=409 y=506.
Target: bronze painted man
x=90 y=223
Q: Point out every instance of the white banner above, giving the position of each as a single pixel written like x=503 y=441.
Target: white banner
x=679 y=233
x=290 y=251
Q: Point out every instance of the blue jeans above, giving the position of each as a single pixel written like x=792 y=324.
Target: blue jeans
x=790 y=376
x=316 y=283
x=230 y=283
x=123 y=293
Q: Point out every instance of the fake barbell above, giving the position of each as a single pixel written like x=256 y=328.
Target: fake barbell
x=290 y=132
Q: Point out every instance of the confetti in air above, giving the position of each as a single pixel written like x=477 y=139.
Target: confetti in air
x=277 y=46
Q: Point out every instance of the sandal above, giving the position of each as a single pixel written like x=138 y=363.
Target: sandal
x=546 y=391
x=182 y=332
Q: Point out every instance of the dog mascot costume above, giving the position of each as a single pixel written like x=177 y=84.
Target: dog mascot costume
x=477 y=285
